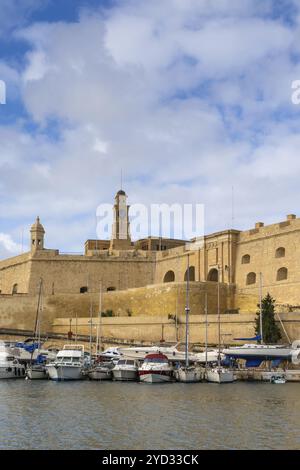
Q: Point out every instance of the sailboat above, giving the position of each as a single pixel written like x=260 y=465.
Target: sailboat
x=37 y=368
x=188 y=373
x=219 y=374
x=100 y=369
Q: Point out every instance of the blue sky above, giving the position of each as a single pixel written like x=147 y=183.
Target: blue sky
x=189 y=98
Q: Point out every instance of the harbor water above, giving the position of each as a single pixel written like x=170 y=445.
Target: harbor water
x=109 y=415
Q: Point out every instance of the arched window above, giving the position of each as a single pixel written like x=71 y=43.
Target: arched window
x=251 y=278
x=282 y=274
x=15 y=289
x=213 y=275
x=280 y=252
x=246 y=259
x=109 y=289
x=191 y=273
x=83 y=290
x=169 y=276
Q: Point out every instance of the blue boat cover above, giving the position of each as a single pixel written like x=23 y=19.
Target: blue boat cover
x=255 y=338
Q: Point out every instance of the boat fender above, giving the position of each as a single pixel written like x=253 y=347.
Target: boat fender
x=296 y=357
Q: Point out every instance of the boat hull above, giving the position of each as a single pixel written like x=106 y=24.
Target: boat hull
x=36 y=373
x=100 y=374
x=188 y=375
x=155 y=376
x=220 y=376
x=61 y=373
x=12 y=372
x=125 y=375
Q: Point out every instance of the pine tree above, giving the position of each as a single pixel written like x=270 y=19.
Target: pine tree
x=271 y=332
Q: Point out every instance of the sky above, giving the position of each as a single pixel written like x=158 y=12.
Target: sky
x=190 y=98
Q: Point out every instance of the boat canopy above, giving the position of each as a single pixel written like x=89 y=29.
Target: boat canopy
x=158 y=357
x=255 y=338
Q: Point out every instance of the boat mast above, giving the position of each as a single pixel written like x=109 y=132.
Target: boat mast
x=98 y=334
x=206 y=325
x=36 y=334
x=219 y=321
x=260 y=308
x=187 y=310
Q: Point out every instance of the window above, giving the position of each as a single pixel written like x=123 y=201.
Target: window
x=191 y=273
x=83 y=290
x=246 y=259
x=282 y=274
x=15 y=289
x=251 y=278
x=110 y=289
x=213 y=275
x=169 y=276
x=280 y=252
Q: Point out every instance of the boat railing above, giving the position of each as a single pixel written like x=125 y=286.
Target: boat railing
x=73 y=347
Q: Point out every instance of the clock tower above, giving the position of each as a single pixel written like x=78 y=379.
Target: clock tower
x=120 y=230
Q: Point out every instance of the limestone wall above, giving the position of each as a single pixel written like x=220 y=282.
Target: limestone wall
x=154 y=329
x=15 y=271
x=261 y=244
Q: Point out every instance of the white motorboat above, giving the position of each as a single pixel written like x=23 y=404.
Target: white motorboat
x=101 y=371
x=172 y=353
x=69 y=364
x=113 y=354
x=10 y=367
x=155 y=369
x=126 y=370
x=219 y=375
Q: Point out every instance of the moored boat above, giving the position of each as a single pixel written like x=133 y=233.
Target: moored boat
x=155 y=369
x=189 y=374
x=101 y=371
x=69 y=364
x=126 y=370
x=10 y=367
x=219 y=375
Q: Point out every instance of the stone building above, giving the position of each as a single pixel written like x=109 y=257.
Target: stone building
x=128 y=269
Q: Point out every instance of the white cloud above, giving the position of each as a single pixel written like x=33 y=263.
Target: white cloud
x=8 y=247
x=187 y=97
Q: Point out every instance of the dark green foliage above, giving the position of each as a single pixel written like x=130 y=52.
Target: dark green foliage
x=107 y=313
x=271 y=332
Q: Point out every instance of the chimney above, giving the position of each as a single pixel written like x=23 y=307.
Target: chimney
x=291 y=217
x=259 y=224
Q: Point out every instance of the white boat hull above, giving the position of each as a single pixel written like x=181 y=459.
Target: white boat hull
x=220 y=376
x=57 y=372
x=33 y=373
x=100 y=374
x=125 y=375
x=188 y=374
x=155 y=377
x=12 y=372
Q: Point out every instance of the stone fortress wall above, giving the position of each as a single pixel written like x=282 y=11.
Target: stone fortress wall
x=148 y=277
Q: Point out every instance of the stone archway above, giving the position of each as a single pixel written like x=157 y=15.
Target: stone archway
x=169 y=276
x=213 y=275
x=191 y=273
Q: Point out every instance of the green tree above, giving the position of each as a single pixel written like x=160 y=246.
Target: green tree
x=271 y=332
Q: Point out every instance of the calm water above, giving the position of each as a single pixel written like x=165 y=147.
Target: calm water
x=92 y=415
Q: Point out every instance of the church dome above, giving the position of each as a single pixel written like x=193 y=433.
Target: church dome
x=121 y=193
